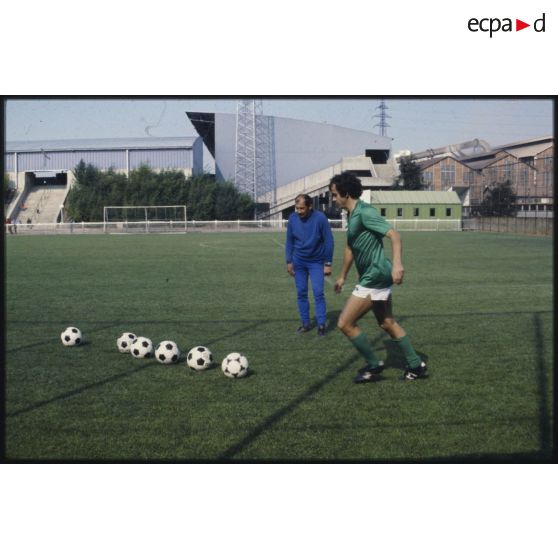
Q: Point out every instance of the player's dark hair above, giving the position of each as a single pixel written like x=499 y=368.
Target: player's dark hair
x=347 y=184
x=307 y=199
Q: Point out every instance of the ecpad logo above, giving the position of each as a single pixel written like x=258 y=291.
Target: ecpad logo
x=494 y=24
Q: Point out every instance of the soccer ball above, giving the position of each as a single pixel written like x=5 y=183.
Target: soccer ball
x=167 y=352
x=141 y=347
x=199 y=358
x=124 y=342
x=235 y=365
x=71 y=336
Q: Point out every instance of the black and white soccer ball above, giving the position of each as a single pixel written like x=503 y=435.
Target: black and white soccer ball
x=235 y=365
x=167 y=352
x=71 y=336
x=124 y=342
x=142 y=347
x=199 y=358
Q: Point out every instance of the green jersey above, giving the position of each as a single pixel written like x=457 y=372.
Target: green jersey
x=366 y=229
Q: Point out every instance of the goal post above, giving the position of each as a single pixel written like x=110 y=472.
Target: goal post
x=145 y=218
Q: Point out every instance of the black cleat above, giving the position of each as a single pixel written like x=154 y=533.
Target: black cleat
x=369 y=374
x=303 y=329
x=321 y=331
x=416 y=373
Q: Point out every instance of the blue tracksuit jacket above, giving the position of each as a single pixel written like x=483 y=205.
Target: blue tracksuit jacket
x=310 y=239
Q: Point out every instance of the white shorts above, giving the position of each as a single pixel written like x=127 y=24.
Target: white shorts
x=374 y=294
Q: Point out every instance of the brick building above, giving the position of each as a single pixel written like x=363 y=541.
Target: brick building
x=527 y=165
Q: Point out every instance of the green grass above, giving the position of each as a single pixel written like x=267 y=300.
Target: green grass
x=477 y=306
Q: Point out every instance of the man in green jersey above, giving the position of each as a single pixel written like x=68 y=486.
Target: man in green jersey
x=365 y=231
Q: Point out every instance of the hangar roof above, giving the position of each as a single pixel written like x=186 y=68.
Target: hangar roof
x=100 y=144
x=430 y=162
x=519 y=149
x=296 y=148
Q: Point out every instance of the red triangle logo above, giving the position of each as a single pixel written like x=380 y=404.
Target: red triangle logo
x=519 y=25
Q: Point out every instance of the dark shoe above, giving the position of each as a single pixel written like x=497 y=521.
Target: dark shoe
x=415 y=373
x=321 y=331
x=303 y=329
x=369 y=374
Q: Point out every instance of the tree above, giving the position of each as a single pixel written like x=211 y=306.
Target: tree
x=499 y=200
x=226 y=203
x=245 y=207
x=201 y=198
x=206 y=199
x=410 y=176
x=82 y=203
x=86 y=174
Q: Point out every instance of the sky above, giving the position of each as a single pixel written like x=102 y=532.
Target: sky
x=415 y=124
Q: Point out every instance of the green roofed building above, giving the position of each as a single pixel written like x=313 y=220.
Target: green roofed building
x=417 y=210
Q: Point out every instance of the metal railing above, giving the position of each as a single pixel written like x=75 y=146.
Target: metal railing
x=515 y=225
x=182 y=227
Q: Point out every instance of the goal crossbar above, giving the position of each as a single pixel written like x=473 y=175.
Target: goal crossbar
x=144 y=214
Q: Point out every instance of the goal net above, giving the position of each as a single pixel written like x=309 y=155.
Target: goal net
x=144 y=218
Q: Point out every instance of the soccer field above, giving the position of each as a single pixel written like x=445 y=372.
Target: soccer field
x=478 y=308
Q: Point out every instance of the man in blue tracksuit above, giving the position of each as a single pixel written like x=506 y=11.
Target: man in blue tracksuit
x=309 y=252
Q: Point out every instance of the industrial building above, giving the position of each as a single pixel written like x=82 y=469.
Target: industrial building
x=299 y=157
x=41 y=172
x=472 y=168
x=302 y=156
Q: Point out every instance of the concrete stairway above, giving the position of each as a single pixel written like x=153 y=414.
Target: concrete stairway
x=41 y=205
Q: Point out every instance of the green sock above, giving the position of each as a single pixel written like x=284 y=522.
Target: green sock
x=362 y=345
x=413 y=360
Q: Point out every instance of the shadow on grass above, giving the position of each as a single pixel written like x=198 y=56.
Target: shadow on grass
x=545 y=431
x=277 y=416
x=79 y=390
x=331 y=320
x=82 y=389
x=251 y=325
x=51 y=340
x=540 y=456
x=332 y=317
x=394 y=359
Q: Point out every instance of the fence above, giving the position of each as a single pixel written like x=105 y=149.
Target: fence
x=128 y=227
x=145 y=227
x=518 y=225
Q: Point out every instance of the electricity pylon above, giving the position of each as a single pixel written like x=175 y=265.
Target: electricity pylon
x=255 y=152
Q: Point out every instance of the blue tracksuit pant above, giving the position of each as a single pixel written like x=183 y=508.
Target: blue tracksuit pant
x=315 y=270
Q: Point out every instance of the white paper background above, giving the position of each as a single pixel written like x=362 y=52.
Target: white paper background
x=289 y=47
x=277 y=510
x=256 y=48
